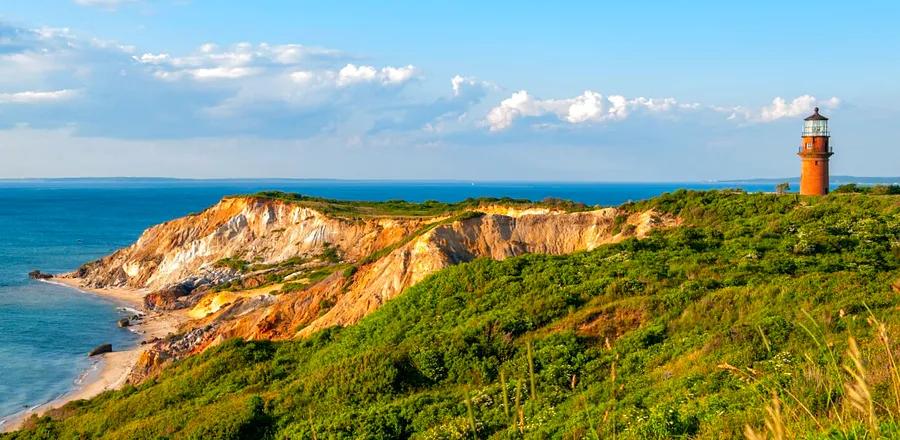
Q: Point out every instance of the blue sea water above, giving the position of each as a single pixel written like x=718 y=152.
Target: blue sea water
x=56 y=225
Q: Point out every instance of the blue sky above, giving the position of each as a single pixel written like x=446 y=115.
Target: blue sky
x=597 y=91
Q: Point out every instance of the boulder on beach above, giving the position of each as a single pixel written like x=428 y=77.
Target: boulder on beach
x=166 y=298
x=100 y=349
x=124 y=322
x=38 y=275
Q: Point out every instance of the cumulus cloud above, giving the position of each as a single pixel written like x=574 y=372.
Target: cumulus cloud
x=242 y=60
x=287 y=66
x=593 y=107
x=353 y=74
x=780 y=108
x=590 y=106
x=470 y=86
x=285 y=90
x=800 y=106
x=35 y=97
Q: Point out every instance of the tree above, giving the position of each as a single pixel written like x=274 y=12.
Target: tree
x=782 y=188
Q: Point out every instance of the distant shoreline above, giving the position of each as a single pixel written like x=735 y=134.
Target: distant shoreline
x=112 y=369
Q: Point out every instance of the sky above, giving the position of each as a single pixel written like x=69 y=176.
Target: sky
x=459 y=90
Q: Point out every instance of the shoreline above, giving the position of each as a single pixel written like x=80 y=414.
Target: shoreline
x=112 y=369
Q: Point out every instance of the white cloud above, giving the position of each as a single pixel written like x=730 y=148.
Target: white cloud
x=353 y=74
x=588 y=107
x=779 y=108
x=37 y=97
x=222 y=73
x=398 y=75
x=155 y=59
x=239 y=61
x=592 y=107
x=470 y=89
x=799 y=106
x=518 y=105
x=458 y=82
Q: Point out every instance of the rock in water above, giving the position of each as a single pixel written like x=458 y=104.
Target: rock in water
x=104 y=348
x=38 y=275
x=124 y=322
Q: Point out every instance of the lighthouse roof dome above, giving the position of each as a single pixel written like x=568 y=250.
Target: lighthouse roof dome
x=816 y=116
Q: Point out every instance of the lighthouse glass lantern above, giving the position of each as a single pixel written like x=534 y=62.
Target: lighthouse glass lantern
x=815 y=125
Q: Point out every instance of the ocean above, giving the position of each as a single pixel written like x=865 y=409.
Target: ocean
x=56 y=225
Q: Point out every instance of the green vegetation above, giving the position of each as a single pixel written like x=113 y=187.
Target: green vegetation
x=234 y=264
x=400 y=208
x=310 y=277
x=743 y=316
x=868 y=189
x=306 y=270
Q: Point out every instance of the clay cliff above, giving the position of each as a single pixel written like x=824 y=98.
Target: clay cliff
x=255 y=267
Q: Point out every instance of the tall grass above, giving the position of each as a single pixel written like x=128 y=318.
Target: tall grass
x=856 y=412
x=470 y=412
x=520 y=412
x=531 y=371
x=505 y=394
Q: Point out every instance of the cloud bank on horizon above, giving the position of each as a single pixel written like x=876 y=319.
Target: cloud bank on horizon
x=327 y=105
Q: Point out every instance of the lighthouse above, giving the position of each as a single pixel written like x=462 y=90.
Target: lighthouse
x=814 y=154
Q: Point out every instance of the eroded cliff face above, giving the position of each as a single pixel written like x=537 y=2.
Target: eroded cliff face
x=252 y=229
x=380 y=257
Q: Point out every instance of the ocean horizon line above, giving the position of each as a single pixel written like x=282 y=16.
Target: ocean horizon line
x=162 y=179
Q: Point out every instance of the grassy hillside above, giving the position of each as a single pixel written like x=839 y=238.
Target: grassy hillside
x=741 y=317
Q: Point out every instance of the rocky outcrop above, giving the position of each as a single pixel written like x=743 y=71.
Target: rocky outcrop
x=38 y=275
x=167 y=298
x=100 y=349
x=181 y=260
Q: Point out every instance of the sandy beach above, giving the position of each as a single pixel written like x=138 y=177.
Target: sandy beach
x=113 y=368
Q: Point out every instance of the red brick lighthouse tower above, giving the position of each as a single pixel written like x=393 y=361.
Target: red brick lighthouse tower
x=814 y=153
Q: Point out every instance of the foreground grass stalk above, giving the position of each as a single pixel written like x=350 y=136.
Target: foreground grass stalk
x=774 y=423
x=612 y=380
x=312 y=427
x=858 y=390
x=833 y=363
x=519 y=411
x=471 y=414
x=895 y=374
x=505 y=394
x=531 y=371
